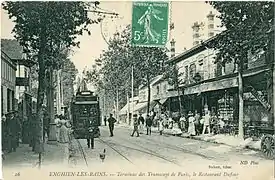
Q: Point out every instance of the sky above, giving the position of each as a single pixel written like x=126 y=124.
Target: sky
x=182 y=13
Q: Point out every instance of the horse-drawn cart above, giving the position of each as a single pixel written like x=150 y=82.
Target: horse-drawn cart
x=267 y=137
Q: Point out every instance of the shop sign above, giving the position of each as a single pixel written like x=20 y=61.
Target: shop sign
x=260 y=98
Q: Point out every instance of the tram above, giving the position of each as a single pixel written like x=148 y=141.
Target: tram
x=85 y=113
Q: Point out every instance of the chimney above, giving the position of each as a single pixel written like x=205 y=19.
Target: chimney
x=173 y=42
x=196 y=33
x=211 y=24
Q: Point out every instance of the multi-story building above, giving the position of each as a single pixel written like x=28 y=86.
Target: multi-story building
x=16 y=80
x=208 y=85
x=8 y=78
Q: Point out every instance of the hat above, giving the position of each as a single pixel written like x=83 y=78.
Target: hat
x=190 y=113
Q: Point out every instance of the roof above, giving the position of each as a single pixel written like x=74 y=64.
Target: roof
x=12 y=48
x=153 y=81
x=194 y=50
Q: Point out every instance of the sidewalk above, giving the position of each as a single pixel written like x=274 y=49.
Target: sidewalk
x=233 y=141
x=25 y=158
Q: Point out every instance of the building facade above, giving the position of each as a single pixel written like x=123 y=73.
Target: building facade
x=208 y=85
x=8 y=88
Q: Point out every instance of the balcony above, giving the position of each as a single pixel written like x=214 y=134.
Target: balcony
x=20 y=81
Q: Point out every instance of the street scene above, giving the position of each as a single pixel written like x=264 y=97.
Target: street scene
x=148 y=90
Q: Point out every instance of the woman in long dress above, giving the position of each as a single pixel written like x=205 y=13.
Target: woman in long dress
x=64 y=139
x=191 y=126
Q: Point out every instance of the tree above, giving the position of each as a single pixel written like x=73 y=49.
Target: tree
x=119 y=59
x=69 y=73
x=248 y=27
x=42 y=28
x=172 y=75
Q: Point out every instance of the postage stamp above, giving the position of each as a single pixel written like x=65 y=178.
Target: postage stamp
x=150 y=23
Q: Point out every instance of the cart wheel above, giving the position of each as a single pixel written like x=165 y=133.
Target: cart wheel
x=267 y=146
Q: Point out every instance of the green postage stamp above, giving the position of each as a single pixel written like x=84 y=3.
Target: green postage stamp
x=150 y=23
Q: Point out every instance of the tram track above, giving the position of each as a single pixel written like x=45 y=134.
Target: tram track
x=82 y=152
x=117 y=151
x=177 y=148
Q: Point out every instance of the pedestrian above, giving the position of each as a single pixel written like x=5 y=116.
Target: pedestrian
x=206 y=123
x=182 y=123
x=191 y=126
x=64 y=139
x=58 y=125
x=14 y=129
x=197 y=122
x=136 y=124
x=105 y=121
x=111 y=122
x=149 y=123
x=5 y=134
x=141 y=122
x=161 y=126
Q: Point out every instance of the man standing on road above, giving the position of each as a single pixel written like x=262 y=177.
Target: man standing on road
x=141 y=122
x=136 y=124
x=105 y=121
x=111 y=122
x=149 y=123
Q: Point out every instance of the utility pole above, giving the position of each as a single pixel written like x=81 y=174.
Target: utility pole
x=132 y=95
x=117 y=112
x=52 y=139
x=58 y=99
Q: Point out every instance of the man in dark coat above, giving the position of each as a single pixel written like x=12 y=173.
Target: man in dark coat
x=5 y=134
x=149 y=123
x=111 y=122
x=14 y=129
x=136 y=124
x=105 y=121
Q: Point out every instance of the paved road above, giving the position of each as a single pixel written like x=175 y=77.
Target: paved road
x=163 y=155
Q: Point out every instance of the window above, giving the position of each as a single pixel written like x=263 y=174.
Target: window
x=12 y=101
x=157 y=89
x=164 y=88
x=186 y=73
x=192 y=70
x=2 y=100
x=8 y=100
x=211 y=26
x=211 y=18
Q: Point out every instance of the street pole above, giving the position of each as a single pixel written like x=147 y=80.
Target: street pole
x=58 y=99
x=128 y=109
x=52 y=139
x=132 y=95
x=117 y=112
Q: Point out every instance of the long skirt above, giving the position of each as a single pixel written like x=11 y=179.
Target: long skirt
x=191 y=129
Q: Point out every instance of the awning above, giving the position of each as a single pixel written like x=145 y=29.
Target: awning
x=141 y=107
x=162 y=101
x=212 y=86
x=124 y=110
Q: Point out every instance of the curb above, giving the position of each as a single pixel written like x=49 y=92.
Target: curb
x=198 y=139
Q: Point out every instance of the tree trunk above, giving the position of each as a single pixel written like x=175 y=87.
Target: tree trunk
x=39 y=146
x=149 y=93
x=241 y=101
x=52 y=139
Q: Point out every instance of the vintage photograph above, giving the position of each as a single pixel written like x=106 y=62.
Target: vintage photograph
x=137 y=90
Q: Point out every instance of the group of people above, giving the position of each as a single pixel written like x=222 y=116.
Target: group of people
x=139 y=123
x=196 y=124
x=11 y=131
